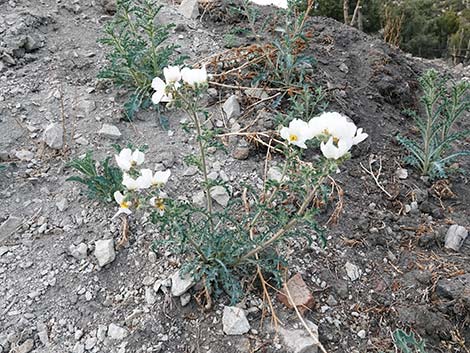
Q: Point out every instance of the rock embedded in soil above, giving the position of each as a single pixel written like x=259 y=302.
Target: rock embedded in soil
x=110 y=131
x=234 y=321
x=116 y=332
x=180 y=285
x=300 y=341
x=352 y=271
x=9 y=227
x=25 y=347
x=231 y=107
x=220 y=195
x=79 y=252
x=241 y=152
x=53 y=136
x=455 y=237
x=301 y=296
x=104 y=251
x=453 y=288
x=24 y=155
x=189 y=8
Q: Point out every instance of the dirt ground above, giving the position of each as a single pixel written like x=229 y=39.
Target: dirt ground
x=51 y=301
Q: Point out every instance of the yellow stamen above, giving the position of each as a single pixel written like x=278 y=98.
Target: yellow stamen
x=293 y=138
x=124 y=204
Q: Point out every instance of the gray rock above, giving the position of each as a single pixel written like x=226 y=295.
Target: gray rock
x=104 y=251
x=85 y=107
x=24 y=155
x=189 y=8
x=344 y=68
x=220 y=195
x=101 y=332
x=401 y=173
x=42 y=334
x=455 y=237
x=241 y=152
x=78 y=348
x=62 y=204
x=53 y=136
x=300 y=341
x=25 y=347
x=9 y=227
x=353 y=271
x=116 y=332
x=258 y=93
x=179 y=285
x=110 y=131
x=234 y=321
x=453 y=288
x=150 y=297
x=275 y=173
x=90 y=342
x=231 y=107
x=79 y=252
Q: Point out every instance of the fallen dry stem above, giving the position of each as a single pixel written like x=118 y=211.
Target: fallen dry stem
x=376 y=176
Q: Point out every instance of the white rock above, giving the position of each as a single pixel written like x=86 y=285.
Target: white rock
x=401 y=173
x=189 y=8
x=455 y=237
x=116 y=332
x=362 y=334
x=185 y=299
x=90 y=343
x=300 y=341
x=79 y=252
x=150 y=297
x=231 y=107
x=79 y=348
x=110 y=131
x=25 y=347
x=101 y=332
x=62 y=204
x=353 y=271
x=220 y=195
x=85 y=107
x=179 y=285
x=53 y=136
x=104 y=251
x=234 y=321
x=199 y=198
x=24 y=155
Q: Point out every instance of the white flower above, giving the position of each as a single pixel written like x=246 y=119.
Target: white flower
x=194 y=77
x=297 y=133
x=172 y=74
x=337 y=126
x=160 y=91
x=132 y=184
x=159 y=204
x=127 y=159
x=123 y=204
x=279 y=3
x=157 y=179
x=335 y=151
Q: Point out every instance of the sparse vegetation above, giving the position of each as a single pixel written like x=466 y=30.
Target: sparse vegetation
x=437 y=126
x=138 y=50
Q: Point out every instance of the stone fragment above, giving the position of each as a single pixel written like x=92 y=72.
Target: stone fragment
x=301 y=341
x=62 y=204
x=220 y=195
x=24 y=155
x=258 y=93
x=110 y=131
x=241 y=152
x=189 y=8
x=179 y=285
x=25 y=347
x=101 y=332
x=150 y=297
x=78 y=348
x=9 y=227
x=234 y=321
x=344 y=68
x=231 y=107
x=104 y=251
x=85 y=107
x=353 y=271
x=53 y=136
x=185 y=299
x=401 y=173
x=302 y=298
x=454 y=288
x=116 y=332
x=455 y=237
x=79 y=252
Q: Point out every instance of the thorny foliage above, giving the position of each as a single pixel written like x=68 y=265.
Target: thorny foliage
x=102 y=181
x=138 y=51
x=443 y=107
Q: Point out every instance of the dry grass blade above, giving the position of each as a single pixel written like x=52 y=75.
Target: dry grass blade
x=376 y=175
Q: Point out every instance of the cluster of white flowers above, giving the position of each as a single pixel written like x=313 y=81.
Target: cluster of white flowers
x=336 y=132
x=127 y=160
x=164 y=90
x=279 y=3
